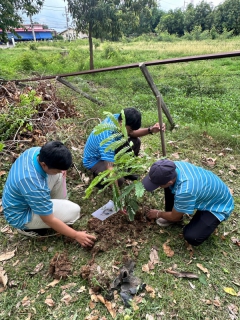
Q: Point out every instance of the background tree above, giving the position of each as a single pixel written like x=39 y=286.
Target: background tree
x=97 y=18
x=103 y=19
x=227 y=16
x=10 y=14
x=189 y=18
x=204 y=15
x=172 y=22
x=149 y=19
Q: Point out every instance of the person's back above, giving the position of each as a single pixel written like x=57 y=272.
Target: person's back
x=93 y=151
x=25 y=178
x=191 y=190
x=198 y=188
x=35 y=194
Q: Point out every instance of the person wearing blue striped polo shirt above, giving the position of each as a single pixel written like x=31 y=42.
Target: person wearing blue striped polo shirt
x=191 y=190
x=95 y=156
x=35 y=194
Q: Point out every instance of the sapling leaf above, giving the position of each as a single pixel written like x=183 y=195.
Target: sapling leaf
x=131 y=213
x=123 y=127
x=139 y=189
x=122 y=152
x=112 y=138
x=111 y=116
x=101 y=127
x=114 y=145
x=133 y=203
x=95 y=181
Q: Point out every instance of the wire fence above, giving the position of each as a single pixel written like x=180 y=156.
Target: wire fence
x=200 y=89
x=196 y=92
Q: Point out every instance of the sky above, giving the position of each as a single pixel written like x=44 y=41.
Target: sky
x=53 y=13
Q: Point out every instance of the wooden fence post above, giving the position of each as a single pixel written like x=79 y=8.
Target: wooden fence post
x=156 y=92
x=160 y=105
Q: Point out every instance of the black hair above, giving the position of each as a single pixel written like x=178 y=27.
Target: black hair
x=133 y=118
x=55 y=155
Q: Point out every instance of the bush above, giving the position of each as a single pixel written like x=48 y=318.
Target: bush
x=226 y=34
x=25 y=62
x=33 y=46
x=213 y=33
x=165 y=36
x=196 y=33
x=187 y=36
x=17 y=118
x=110 y=52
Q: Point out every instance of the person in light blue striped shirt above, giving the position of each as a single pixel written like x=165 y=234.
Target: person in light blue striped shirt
x=191 y=190
x=95 y=156
x=35 y=195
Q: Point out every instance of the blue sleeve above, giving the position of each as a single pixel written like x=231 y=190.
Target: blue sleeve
x=185 y=203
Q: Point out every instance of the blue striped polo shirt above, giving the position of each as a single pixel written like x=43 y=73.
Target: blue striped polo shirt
x=26 y=190
x=199 y=189
x=93 y=151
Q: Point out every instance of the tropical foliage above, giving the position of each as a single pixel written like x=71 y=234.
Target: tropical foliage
x=125 y=164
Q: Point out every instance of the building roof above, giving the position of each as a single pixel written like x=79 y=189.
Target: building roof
x=28 y=27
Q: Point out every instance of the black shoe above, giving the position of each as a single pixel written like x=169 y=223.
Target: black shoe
x=132 y=177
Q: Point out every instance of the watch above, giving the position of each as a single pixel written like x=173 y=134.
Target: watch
x=149 y=130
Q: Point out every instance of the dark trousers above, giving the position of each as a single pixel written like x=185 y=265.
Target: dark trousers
x=201 y=226
x=102 y=166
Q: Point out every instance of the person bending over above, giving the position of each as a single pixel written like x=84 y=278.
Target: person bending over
x=97 y=160
x=35 y=194
x=191 y=190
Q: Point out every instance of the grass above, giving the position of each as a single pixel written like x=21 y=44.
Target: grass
x=203 y=100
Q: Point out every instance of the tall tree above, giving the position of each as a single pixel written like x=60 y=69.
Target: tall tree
x=189 y=18
x=101 y=18
x=172 y=22
x=96 y=18
x=10 y=13
x=204 y=15
x=227 y=15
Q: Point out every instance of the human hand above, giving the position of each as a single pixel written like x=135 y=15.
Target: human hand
x=85 y=239
x=123 y=211
x=156 y=127
x=153 y=214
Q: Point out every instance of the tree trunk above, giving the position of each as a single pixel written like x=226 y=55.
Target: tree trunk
x=90 y=47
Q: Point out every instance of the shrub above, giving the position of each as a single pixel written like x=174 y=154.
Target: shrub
x=33 y=46
x=25 y=62
x=18 y=118
x=110 y=52
x=196 y=33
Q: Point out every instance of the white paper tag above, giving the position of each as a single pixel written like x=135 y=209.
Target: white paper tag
x=105 y=211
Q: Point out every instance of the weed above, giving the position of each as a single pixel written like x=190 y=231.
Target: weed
x=25 y=62
x=32 y=46
x=16 y=119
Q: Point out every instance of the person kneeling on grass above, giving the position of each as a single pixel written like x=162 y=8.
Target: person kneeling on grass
x=97 y=159
x=35 y=195
x=188 y=188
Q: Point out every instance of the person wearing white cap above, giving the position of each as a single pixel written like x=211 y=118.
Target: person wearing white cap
x=191 y=190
